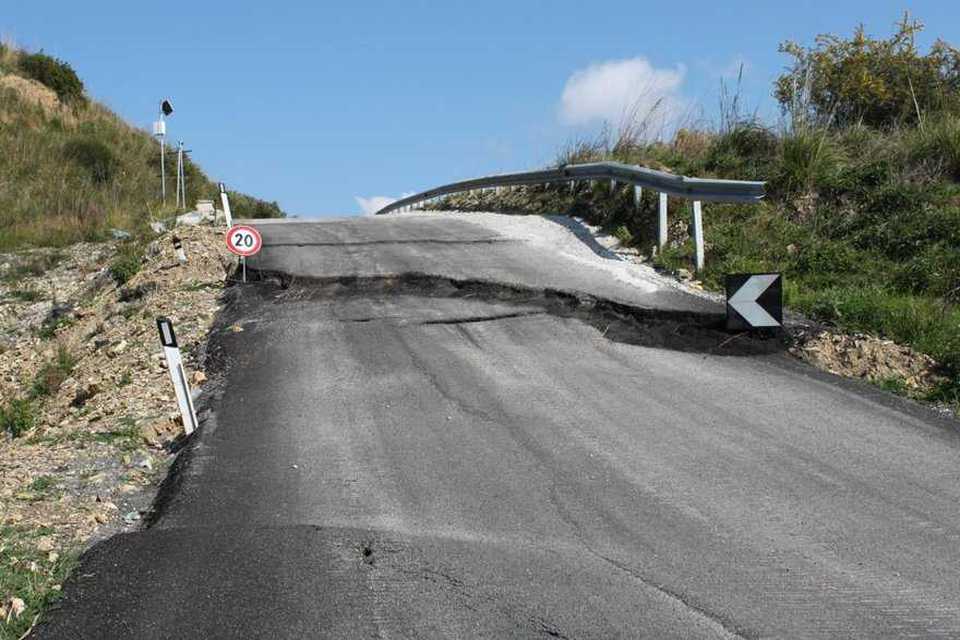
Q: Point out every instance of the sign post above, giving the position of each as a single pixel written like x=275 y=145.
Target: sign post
x=243 y=240
x=754 y=301
x=175 y=364
x=160 y=131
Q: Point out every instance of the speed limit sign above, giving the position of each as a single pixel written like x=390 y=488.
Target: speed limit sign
x=243 y=240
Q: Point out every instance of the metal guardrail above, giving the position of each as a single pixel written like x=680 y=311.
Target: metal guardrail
x=701 y=189
x=667 y=184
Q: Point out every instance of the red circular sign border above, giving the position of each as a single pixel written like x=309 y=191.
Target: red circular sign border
x=242 y=227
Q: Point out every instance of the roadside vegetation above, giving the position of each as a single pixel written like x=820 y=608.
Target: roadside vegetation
x=863 y=180
x=72 y=169
x=33 y=571
x=79 y=452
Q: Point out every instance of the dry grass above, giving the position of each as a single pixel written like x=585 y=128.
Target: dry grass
x=51 y=195
x=46 y=197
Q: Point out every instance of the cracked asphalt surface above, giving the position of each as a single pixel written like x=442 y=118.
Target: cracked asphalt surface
x=390 y=455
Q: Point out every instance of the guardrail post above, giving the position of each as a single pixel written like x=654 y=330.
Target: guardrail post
x=698 y=232
x=662 y=222
x=637 y=195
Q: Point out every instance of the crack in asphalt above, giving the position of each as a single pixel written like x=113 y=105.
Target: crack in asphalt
x=715 y=619
x=490 y=318
x=447 y=321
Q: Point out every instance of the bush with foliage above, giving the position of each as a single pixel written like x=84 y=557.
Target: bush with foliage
x=244 y=206
x=94 y=156
x=17 y=416
x=55 y=74
x=871 y=81
x=127 y=262
x=53 y=374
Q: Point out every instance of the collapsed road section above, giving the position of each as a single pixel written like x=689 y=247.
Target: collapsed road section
x=427 y=456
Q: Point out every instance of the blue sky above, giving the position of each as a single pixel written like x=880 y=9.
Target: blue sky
x=318 y=105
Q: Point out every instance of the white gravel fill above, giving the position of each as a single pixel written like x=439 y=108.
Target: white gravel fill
x=569 y=237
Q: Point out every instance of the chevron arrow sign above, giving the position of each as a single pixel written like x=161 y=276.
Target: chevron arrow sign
x=754 y=301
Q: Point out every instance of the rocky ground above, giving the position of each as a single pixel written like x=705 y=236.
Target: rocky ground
x=89 y=420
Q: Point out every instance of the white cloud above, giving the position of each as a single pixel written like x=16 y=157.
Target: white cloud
x=620 y=90
x=371 y=205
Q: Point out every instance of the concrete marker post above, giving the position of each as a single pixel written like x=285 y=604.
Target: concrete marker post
x=177 y=375
x=178 y=249
x=225 y=202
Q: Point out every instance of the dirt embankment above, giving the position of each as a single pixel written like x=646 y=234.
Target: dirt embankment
x=89 y=414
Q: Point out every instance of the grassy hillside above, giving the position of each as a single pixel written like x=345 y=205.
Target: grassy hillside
x=863 y=210
x=70 y=169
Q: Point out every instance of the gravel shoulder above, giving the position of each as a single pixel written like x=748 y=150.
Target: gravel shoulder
x=79 y=358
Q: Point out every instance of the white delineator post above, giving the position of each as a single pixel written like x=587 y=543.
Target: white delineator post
x=177 y=375
x=637 y=196
x=225 y=202
x=662 y=222
x=698 y=232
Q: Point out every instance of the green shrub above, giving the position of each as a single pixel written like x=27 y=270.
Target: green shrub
x=17 y=416
x=26 y=295
x=747 y=152
x=55 y=74
x=244 y=206
x=809 y=157
x=901 y=220
x=94 y=156
x=938 y=143
x=50 y=326
x=934 y=271
x=53 y=373
x=866 y=80
x=127 y=262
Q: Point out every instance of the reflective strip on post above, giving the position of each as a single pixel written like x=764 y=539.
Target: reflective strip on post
x=177 y=375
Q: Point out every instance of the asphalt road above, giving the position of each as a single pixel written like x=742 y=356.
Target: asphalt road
x=412 y=457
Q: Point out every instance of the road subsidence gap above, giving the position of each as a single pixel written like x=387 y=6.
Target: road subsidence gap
x=688 y=331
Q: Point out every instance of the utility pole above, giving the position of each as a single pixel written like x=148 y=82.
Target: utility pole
x=160 y=131
x=181 y=193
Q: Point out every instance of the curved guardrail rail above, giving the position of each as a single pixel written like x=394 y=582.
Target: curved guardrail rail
x=702 y=189
x=667 y=184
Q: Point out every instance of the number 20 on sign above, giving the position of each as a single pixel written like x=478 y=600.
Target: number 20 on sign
x=243 y=241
